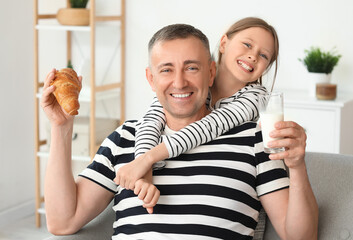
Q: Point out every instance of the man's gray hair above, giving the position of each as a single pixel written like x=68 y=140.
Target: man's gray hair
x=178 y=31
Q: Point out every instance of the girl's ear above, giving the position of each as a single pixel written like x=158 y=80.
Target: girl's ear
x=149 y=77
x=223 y=43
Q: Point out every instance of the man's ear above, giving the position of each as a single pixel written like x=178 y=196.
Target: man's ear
x=222 y=43
x=149 y=77
x=212 y=73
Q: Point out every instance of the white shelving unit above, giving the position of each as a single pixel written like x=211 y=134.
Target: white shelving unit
x=327 y=122
x=46 y=22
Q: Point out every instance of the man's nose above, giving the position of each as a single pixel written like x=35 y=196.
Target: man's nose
x=179 y=81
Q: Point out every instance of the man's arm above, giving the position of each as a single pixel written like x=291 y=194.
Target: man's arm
x=294 y=211
x=69 y=205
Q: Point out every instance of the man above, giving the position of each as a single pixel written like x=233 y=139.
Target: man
x=211 y=192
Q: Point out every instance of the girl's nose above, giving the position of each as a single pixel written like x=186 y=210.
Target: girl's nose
x=252 y=58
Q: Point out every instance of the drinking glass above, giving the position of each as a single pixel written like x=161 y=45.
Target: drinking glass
x=271 y=111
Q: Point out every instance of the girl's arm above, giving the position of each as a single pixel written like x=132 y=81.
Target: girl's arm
x=241 y=108
x=149 y=131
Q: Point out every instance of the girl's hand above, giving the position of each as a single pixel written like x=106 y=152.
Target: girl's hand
x=148 y=193
x=127 y=175
x=293 y=140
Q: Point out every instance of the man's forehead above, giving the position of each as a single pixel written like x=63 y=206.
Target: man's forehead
x=188 y=50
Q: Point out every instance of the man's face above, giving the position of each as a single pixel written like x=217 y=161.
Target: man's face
x=180 y=73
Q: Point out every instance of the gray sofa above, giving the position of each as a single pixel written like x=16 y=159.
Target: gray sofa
x=331 y=177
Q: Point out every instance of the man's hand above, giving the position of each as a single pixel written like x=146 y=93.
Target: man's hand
x=293 y=140
x=148 y=193
x=50 y=105
x=127 y=175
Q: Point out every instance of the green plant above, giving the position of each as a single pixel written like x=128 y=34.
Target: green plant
x=318 y=61
x=69 y=64
x=78 y=3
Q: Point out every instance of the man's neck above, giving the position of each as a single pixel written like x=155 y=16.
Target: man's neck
x=177 y=123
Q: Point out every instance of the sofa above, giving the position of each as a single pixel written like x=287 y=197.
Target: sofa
x=331 y=177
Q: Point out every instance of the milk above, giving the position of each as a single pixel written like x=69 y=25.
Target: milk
x=268 y=120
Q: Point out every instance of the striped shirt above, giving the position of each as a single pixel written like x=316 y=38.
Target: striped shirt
x=227 y=113
x=209 y=192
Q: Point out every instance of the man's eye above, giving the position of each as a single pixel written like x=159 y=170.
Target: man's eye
x=165 y=70
x=192 y=68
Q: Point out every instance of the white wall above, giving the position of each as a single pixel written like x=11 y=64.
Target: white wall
x=300 y=24
x=16 y=106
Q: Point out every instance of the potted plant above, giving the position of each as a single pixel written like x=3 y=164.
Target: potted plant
x=320 y=65
x=75 y=15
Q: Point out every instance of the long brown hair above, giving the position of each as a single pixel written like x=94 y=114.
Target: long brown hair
x=249 y=22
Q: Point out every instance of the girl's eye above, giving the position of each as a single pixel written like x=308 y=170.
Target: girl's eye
x=247 y=45
x=264 y=56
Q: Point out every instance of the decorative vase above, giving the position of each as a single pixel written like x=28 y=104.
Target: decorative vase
x=326 y=91
x=317 y=78
x=73 y=16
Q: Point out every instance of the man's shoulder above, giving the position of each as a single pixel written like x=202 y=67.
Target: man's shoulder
x=124 y=133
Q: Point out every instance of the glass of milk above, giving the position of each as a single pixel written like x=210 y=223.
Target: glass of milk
x=271 y=111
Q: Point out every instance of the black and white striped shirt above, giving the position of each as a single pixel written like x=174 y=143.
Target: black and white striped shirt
x=227 y=113
x=209 y=192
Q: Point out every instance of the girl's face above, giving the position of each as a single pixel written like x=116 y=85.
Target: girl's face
x=247 y=54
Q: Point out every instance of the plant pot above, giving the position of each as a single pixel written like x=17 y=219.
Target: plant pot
x=326 y=91
x=317 y=78
x=73 y=16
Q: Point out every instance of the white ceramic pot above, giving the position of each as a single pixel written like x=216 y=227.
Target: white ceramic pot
x=315 y=78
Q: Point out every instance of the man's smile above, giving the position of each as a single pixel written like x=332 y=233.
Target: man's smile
x=181 y=95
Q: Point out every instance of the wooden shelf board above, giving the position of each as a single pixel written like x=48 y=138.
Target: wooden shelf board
x=75 y=158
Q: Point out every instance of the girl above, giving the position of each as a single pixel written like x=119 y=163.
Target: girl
x=246 y=52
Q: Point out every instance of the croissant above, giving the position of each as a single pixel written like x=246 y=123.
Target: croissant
x=67 y=89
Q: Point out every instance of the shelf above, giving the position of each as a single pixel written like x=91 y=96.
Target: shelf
x=75 y=158
x=85 y=96
x=88 y=134
x=58 y=27
x=41 y=211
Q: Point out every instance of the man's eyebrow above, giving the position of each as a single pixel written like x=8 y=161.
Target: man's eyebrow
x=168 y=64
x=192 y=61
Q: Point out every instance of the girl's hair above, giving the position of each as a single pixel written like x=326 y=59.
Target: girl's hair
x=249 y=22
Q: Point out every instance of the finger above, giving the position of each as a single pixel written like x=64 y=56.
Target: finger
x=137 y=189
x=122 y=182
x=80 y=80
x=279 y=156
x=286 y=124
x=285 y=133
x=131 y=185
x=49 y=78
x=149 y=196
x=142 y=194
x=46 y=92
x=116 y=180
x=149 y=210
x=155 y=198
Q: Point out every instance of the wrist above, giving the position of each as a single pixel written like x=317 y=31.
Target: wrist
x=63 y=129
